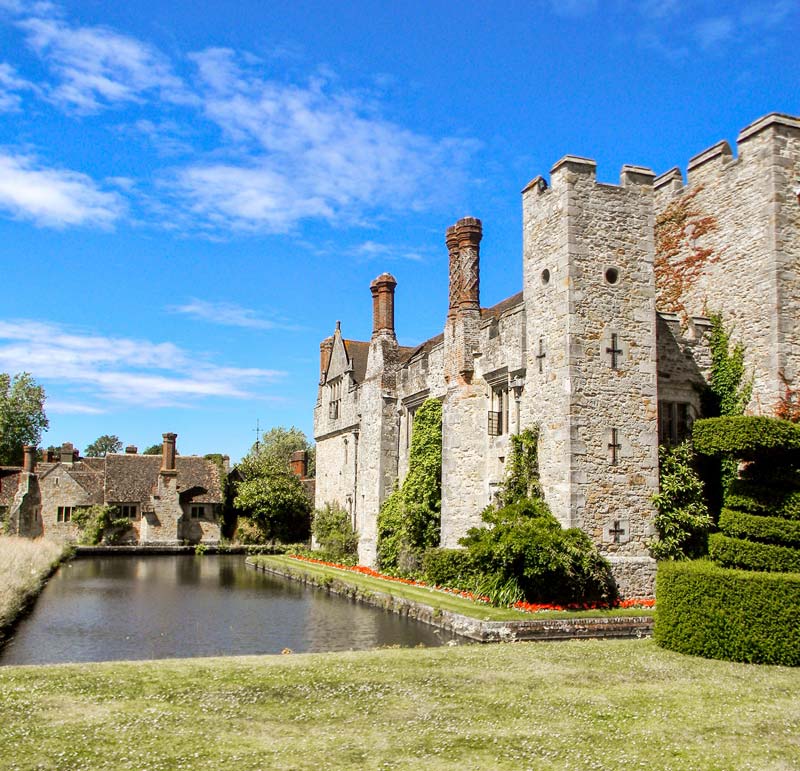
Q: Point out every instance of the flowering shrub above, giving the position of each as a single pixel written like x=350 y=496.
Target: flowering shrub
x=527 y=607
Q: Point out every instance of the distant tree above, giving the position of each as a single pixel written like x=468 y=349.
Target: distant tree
x=270 y=500
x=153 y=449
x=279 y=443
x=103 y=445
x=22 y=417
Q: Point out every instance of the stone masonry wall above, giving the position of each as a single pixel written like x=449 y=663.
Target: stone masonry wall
x=749 y=256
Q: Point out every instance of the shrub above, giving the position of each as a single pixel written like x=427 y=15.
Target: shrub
x=409 y=519
x=745 y=436
x=706 y=610
x=453 y=568
x=682 y=521
x=777 y=530
x=522 y=475
x=334 y=534
x=99 y=523
x=751 y=555
x=776 y=500
x=525 y=543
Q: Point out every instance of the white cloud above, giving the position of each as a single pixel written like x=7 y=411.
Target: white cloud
x=369 y=250
x=122 y=370
x=714 y=32
x=10 y=86
x=97 y=67
x=228 y=314
x=306 y=151
x=56 y=407
x=54 y=197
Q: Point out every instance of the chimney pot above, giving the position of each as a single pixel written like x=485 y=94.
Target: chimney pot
x=131 y=449
x=298 y=463
x=382 y=289
x=168 y=453
x=325 y=350
x=67 y=453
x=29 y=458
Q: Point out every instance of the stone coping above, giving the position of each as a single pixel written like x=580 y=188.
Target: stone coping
x=607 y=627
x=157 y=548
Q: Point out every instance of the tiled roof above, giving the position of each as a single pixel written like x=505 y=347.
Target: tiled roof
x=132 y=478
x=357 y=352
x=504 y=305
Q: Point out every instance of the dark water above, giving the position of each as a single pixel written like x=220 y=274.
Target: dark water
x=128 y=607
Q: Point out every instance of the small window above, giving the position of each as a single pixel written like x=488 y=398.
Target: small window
x=128 y=510
x=335 y=399
x=198 y=512
x=498 y=414
x=64 y=514
x=545 y=277
x=674 y=422
x=612 y=275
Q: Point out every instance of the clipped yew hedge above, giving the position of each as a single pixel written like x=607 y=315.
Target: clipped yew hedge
x=720 y=613
x=751 y=555
x=776 y=499
x=760 y=527
x=745 y=436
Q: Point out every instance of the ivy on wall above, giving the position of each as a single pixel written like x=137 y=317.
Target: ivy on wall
x=729 y=389
x=522 y=473
x=679 y=257
x=409 y=519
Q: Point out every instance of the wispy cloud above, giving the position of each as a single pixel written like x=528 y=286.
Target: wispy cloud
x=123 y=371
x=373 y=250
x=306 y=151
x=96 y=67
x=713 y=32
x=56 y=407
x=228 y=314
x=11 y=86
x=54 y=197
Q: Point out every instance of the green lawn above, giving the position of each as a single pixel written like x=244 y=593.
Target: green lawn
x=573 y=705
x=435 y=599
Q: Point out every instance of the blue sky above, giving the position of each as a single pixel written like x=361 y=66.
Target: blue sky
x=191 y=194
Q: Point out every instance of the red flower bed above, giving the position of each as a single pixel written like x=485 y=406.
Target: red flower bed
x=527 y=607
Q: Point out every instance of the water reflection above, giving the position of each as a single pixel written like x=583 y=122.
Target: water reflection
x=129 y=607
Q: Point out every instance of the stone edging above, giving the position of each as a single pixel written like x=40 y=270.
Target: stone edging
x=473 y=628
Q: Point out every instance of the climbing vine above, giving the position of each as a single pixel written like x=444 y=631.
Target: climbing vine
x=409 y=519
x=729 y=388
x=522 y=473
x=679 y=258
x=788 y=407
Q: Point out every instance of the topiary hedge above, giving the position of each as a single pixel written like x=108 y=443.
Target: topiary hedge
x=778 y=500
x=706 y=610
x=453 y=568
x=745 y=436
x=777 y=530
x=751 y=555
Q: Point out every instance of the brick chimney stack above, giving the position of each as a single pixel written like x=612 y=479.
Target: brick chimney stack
x=168 y=454
x=131 y=449
x=469 y=232
x=325 y=350
x=382 y=289
x=298 y=463
x=29 y=458
x=451 y=239
x=67 y=453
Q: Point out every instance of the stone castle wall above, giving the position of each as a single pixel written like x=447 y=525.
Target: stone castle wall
x=746 y=213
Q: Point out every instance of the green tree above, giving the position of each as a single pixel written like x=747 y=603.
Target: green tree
x=279 y=443
x=22 y=417
x=271 y=500
x=103 y=445
x=153 y=449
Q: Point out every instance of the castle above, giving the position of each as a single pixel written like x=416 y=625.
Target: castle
x=605 y=348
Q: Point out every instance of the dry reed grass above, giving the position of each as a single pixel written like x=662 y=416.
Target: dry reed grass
x=24 y=565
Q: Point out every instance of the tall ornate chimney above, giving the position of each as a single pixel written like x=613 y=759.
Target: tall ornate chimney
x=29 y=458
x=382 y=289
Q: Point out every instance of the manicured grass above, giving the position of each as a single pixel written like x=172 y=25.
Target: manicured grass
x=24 y=564
x=546 y=706
x=435 y=599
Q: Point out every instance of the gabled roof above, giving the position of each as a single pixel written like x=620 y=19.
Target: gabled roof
x=357 y=353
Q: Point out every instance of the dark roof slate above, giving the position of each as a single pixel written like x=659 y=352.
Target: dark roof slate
x=357 y=353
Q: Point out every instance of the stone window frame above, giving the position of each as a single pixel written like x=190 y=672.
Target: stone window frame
x=675 y=420
x=197 y=511
x=127 y=510
x=64 y=514
x=335 y=398
x=498 y=417
x=411 y=404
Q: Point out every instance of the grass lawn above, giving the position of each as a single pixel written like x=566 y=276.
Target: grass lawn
x=435 y=599
x=622 y=704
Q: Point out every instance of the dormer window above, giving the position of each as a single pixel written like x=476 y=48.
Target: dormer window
x=334 y=398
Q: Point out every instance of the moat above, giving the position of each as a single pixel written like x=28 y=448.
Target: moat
x=154 y=607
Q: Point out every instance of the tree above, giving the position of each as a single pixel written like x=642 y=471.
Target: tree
x=271 y=500
x=279 y=443
x=22 y=417
x=154 y=449
x=103 y=445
